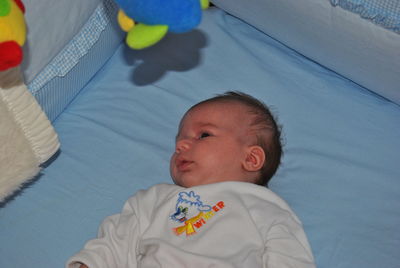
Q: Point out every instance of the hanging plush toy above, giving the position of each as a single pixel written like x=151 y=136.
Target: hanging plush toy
x=147 y=21
x=12 y=33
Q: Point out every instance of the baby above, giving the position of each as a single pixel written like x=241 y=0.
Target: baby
x=218 y=213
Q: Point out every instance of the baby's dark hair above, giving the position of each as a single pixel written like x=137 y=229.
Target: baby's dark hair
x=268 y=132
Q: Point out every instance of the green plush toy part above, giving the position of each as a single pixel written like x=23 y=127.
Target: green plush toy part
x=144 y=22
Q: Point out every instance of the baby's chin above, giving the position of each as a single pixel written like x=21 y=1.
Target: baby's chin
x=185 y=184
x=187 y=180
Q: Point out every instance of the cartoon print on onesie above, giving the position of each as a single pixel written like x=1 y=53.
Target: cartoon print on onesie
x=192 y=213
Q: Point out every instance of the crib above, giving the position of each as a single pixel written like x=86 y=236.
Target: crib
x=330 y=74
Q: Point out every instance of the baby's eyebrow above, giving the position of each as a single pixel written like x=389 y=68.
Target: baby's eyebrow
x=201 y=125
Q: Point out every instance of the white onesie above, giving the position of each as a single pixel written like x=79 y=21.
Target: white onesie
x=228 y=224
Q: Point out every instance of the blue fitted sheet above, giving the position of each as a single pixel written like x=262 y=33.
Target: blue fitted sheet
x=340 y=171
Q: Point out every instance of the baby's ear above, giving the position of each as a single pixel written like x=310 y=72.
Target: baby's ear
x=255 y=158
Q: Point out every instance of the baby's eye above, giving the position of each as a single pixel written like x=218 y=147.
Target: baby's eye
x=204 y=135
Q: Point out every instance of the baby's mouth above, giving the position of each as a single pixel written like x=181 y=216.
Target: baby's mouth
x=183 y=164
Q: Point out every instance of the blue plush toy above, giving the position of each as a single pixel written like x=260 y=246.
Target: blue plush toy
x=147 y=21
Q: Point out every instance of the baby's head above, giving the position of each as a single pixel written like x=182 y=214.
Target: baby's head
x=231 y=137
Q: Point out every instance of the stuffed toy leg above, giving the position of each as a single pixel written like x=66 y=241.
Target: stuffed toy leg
x=27 y=138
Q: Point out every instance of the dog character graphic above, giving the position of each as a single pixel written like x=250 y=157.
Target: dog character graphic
x=188 y=205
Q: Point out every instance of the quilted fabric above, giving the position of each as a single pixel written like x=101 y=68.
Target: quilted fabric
x=382 y=12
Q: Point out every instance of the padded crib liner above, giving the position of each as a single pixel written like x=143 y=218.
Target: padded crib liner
x=67 y=73
x=342 y=41
x=385 y=13
x=51 y=25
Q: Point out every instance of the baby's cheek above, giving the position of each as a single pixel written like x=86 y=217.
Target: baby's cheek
x=172 y=164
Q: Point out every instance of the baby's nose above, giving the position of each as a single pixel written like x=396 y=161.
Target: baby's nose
x=182 y=145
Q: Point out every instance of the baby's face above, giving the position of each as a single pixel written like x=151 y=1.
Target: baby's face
x=211 y=145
